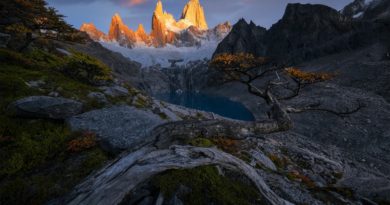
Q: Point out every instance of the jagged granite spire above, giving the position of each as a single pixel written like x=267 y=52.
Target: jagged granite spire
x=194 y=13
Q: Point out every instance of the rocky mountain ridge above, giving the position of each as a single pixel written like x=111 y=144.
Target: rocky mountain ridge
x=309 y=31
x=367 y=9
x=190 y=30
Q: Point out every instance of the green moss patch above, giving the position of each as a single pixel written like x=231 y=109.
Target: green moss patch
x=18 y=69
x=35 y=165
x=201 y=142
x=207 y=186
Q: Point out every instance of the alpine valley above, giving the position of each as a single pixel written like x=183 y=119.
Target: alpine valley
x=190 y=34
x=297 y=112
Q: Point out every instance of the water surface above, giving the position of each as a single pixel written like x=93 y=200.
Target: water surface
x=219 y=105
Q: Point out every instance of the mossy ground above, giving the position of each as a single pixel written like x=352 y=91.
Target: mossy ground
x=207 y=186
x=201 y=142
x=35 y=164
x=18 y=69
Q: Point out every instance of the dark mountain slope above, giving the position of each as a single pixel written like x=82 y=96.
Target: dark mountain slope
x=244 y=37
x=307 y=32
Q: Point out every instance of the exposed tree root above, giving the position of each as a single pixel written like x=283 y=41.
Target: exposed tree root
x=115 y=181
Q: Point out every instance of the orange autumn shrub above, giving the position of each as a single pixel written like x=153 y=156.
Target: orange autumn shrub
x=241 y=61
x=87 y=141
x=296 y=176
x=226 y=144
x=309 y=77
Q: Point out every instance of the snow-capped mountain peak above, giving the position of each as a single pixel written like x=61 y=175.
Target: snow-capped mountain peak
x=190 y=32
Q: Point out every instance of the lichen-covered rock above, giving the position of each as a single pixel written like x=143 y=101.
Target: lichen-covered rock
x=119 y=127
x=45 y=107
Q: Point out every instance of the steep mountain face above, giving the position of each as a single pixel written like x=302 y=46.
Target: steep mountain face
x=309 y=31
x=303 y=28
x=120 y=33
x=378 y=10
x=244 y=37
x=356 y=8
x=190 y=30
x=142 y=36
x=93 y=32
x=193 y=12
x=160 y=21
x=368 y=9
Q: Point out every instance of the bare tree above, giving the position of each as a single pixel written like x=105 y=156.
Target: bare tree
x=270 y=78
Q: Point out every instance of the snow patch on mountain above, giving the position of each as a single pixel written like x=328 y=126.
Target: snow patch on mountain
x=150 y=56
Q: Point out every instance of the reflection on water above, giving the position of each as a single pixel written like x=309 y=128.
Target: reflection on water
x=216 y=104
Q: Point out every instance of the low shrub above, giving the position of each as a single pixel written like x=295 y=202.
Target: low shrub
x=87 y=69
x=33 y=143
x=280 y=162
x=201 y=142
x=228 y=145
x=85 y=142
x=14 y=58
x=296 y=176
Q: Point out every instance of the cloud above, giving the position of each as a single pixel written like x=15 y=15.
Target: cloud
x=136 y=2
x=127 y=3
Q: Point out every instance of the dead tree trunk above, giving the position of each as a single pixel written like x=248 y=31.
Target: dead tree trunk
x=115 y=181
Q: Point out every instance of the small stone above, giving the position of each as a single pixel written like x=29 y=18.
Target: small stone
x=98 y=96
x=35 y=83
x=54 y=94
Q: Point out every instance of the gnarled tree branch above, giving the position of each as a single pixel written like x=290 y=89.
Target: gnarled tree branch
x=316 y=107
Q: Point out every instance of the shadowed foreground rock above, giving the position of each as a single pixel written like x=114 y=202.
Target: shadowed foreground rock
x=118 y=127
x=116 y=180
x=45 y=107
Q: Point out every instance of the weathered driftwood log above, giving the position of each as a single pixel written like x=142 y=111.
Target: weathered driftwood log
x=115 y=181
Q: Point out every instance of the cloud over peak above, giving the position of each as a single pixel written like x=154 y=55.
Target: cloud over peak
x=136 y=2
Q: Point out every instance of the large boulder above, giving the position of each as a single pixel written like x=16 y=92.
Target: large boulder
x=118 y=127
x=45 y=107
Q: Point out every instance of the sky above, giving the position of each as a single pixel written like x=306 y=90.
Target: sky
x=133 y=12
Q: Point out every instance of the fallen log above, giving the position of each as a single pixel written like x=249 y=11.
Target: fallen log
x=112 y=183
